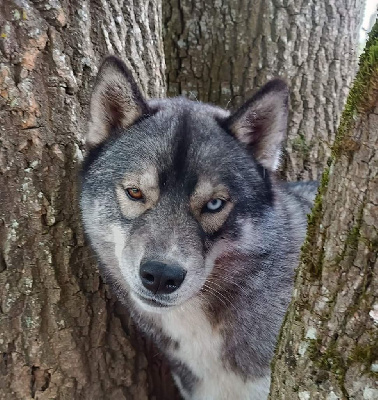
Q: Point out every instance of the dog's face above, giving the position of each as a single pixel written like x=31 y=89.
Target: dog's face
x=168 y=184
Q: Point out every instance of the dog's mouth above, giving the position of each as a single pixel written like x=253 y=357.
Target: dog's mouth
x=153 y=302
x=150 y=302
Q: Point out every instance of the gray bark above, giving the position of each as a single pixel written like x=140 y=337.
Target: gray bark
x=221 y=51
x=62 y=335
x=329 y=341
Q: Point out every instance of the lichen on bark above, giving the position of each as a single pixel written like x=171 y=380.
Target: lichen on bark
x=328 y=343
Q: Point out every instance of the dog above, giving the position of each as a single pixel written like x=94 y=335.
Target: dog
x=193 y=230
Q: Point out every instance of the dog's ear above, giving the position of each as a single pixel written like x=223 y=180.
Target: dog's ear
x=261 y=123
x=116 y=102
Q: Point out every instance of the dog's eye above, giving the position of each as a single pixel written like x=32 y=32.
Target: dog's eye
x=134 y=193
x=214 y=205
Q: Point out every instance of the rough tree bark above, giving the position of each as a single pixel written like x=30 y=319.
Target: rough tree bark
x=221 y=51
x=329 y=341
x=62 y=336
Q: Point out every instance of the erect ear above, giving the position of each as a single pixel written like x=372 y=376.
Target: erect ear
x=261 y=123
x=116 y=101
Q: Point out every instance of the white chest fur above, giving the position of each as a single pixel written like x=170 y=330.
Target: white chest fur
x=200 y=349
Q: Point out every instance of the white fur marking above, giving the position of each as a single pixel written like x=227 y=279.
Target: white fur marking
x=200 y=348
x=119 y=242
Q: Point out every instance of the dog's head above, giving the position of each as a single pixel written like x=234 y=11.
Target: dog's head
x=172 y=186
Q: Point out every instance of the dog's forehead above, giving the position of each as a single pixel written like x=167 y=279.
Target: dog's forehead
x=182 y=140
x=194 y=130
x=197 y=145
x=178 y=130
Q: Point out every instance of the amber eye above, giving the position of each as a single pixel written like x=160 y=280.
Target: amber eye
x=134 y=193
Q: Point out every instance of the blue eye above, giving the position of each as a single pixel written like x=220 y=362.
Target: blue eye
x=214 y=205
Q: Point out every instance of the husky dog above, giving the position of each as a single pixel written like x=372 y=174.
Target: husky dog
x=192 y=229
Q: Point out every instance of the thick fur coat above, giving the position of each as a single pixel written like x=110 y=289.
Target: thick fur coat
x=193 y=230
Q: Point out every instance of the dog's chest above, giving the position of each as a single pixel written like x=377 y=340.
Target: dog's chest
x=199 y=345
x=200 y=349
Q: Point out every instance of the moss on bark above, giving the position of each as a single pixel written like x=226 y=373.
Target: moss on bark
x=328 y=343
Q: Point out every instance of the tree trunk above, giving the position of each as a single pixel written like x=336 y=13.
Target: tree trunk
x=221 y=51
x=62 y=335
x=329 y=342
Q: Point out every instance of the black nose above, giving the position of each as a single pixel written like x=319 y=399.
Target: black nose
x=161 y=278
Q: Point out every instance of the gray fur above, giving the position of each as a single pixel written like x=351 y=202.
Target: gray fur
x=219 y=328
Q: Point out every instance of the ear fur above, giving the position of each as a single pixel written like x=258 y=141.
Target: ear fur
x=261 y=123
x=116 y=101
